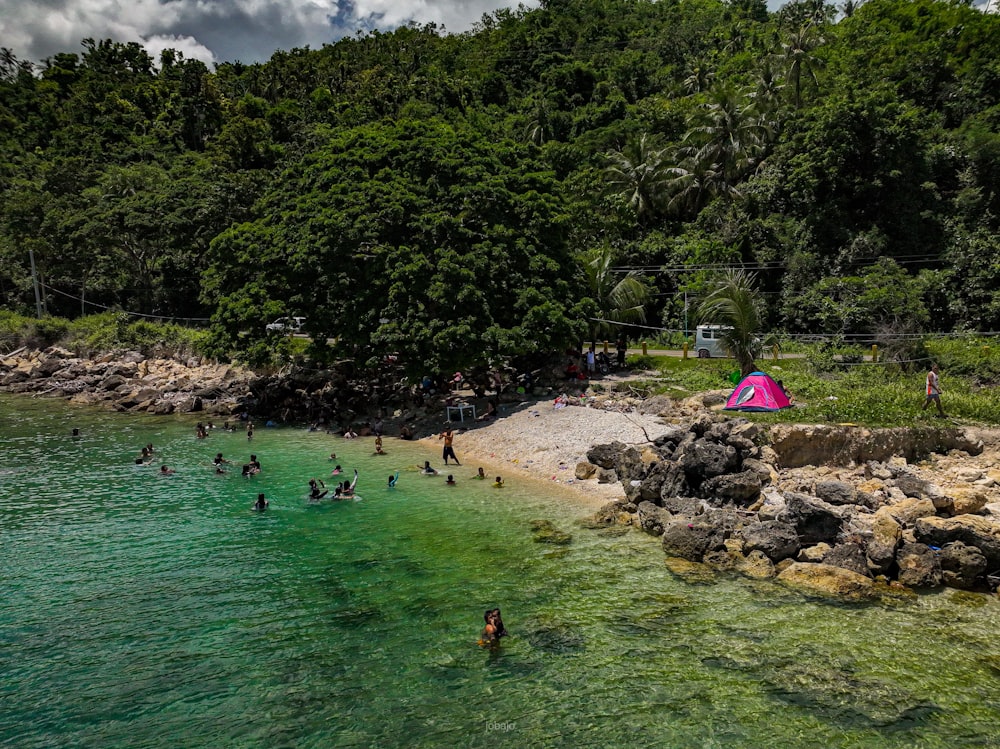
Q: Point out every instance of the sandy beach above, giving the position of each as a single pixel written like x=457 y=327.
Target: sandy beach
x=544 y=443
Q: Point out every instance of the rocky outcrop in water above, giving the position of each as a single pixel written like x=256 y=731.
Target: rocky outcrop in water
x=714 y=494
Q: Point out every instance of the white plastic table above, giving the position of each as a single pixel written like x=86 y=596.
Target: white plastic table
x=461 y=408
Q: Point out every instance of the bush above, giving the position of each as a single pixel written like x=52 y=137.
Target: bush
x=968 y=356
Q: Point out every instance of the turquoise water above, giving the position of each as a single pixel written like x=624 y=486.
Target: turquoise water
x=147 y=611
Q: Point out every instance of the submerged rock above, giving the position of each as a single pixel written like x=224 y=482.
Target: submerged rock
x=828 y=580
x=545 y=532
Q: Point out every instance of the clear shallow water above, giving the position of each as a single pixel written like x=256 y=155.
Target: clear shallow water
x=148 y=611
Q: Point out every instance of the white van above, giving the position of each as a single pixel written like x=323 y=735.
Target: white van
x=708 y=341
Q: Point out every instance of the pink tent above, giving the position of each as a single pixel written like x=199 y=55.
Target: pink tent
x=757 y=392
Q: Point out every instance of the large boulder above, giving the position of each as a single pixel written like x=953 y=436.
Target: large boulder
x=972 y=530
x=692 y=539
x=885 y=539
x=775 y=539
x=585 y=470
x=756 y=564
x=828 y=580
x=653 y=519
x=961 y=565
x=742 y=488
x=814 y=519
x=849 y=557
x=836 y=492
x=605 y=456
x=918 y=566
x=908 y=511
x=703 y=459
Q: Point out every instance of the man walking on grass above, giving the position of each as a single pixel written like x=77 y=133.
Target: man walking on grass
x=933 y=391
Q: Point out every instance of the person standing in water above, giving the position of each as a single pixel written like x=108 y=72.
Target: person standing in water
x=261 y=504
x=449 y=451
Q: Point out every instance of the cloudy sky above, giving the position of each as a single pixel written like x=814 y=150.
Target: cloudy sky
x=218 y=30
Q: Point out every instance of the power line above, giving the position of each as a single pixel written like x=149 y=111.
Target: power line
x=126 y=312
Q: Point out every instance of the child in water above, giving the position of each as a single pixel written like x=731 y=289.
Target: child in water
x=261 y=504
x=498 y=484
x=450 y=481
x=393 y=479
x=493 y=630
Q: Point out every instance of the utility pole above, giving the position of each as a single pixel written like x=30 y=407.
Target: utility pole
x=34 y=281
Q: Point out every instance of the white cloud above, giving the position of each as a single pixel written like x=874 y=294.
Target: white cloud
x=218 y=30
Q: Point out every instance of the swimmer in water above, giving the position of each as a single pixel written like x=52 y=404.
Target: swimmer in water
x=450 y=481
x=166 y=470
x=348 y=489
x=493 y=630
x=317 y=489
x=481 y=476
x=336 y=471
x=427 y=470
x=498 y=484
x=254 y=465
x=393 y=479
x=378 y=446
x=261 y=504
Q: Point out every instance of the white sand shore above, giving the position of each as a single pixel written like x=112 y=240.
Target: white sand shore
x=547 y=443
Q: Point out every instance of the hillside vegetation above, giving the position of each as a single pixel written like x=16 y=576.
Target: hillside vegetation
x=452 y=199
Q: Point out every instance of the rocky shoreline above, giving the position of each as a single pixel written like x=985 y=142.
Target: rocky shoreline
x=716 y=492
x=838 y=510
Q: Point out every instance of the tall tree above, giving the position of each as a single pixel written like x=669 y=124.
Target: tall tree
x=736 y=304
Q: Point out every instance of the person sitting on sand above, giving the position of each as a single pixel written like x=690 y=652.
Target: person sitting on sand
x=166 y=470
x=261 y=504
x=450 y=481
x=317 y=489
x=427 y=470
x=498 y=484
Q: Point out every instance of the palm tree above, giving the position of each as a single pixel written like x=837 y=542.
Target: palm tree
x=694 y=182
x=730 y=134
x=619 y=298
x=797 y=54
x=639 y=174
x=736 y=304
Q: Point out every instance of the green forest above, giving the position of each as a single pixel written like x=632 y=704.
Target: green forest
x=451 y=199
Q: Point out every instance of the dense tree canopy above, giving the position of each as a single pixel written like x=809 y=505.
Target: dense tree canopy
x=439 y=197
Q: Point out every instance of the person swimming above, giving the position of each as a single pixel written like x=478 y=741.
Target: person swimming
x=393 y=479
x=336 y=471
x=450 y=481
x=498 y=484
x=166 y=470
x=481 y=475
x=378 y=446
x=427 y=470
x=348 y=489
x=317 y=489
x=254 y=465
x=261 y=504
x=493 y=630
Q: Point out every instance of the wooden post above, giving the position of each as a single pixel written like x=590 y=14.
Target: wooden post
x=685 y=350
x=645 y=349
x=874 y=352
